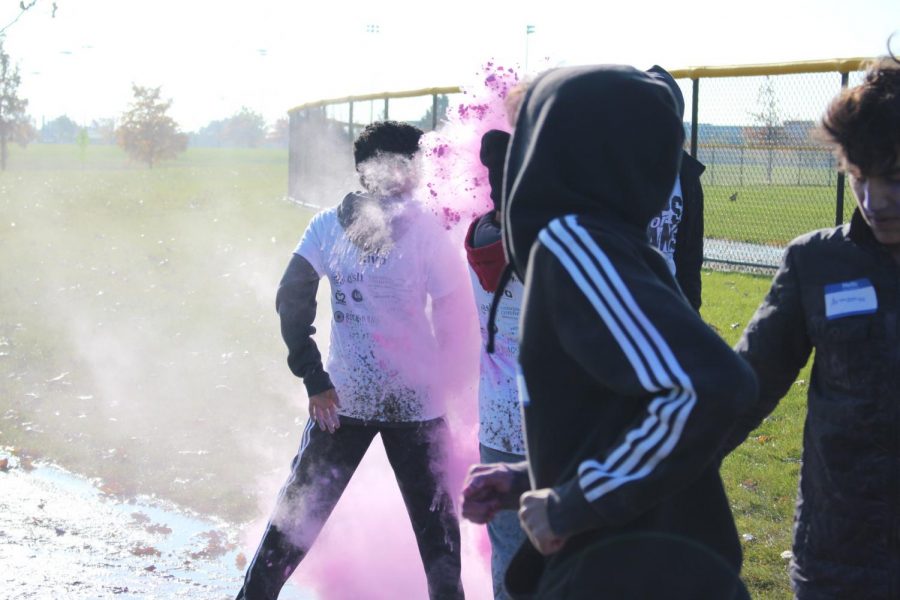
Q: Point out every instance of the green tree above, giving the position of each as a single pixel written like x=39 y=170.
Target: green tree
x=147 y=133
x=279 y=134
x=244 y=129
x=83 y=140
x=13 y=120
x=61 y=130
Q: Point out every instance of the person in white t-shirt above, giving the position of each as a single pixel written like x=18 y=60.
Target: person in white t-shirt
x=384 y=259
x=500 y=435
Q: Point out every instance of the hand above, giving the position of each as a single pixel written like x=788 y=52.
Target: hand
x=536 y=521
x=323 y=410
x=491 y=488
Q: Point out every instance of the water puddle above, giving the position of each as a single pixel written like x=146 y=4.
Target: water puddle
x=62 y=537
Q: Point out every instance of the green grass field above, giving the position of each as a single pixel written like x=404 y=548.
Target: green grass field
x=139 y=338
x=772 y=215
x=139 y=342
x=761 y=476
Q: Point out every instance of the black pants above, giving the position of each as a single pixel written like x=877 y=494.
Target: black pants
x=320 y=473
x=640 y=565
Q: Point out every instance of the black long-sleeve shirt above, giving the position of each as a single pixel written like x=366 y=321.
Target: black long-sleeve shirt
x=296 y=306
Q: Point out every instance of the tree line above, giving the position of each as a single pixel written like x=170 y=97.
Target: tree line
x=244 y=129
x=146 y=130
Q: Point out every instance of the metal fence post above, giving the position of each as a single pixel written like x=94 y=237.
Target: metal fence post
x=386 y=117
x=695 y=100
x=350 y=125
x=434 y=109
x=839 y=201
x=295 y=160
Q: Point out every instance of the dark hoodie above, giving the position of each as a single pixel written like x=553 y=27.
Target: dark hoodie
x=689 y=233
x=484 y=248
x=627 y=394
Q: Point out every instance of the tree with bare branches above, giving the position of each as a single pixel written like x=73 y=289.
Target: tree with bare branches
x=770 y=122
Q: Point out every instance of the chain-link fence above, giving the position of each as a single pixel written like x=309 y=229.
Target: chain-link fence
x=768 y=179
x=321 y=134
x=769 y=175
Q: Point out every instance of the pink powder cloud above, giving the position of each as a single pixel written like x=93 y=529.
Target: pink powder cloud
x=367 y=548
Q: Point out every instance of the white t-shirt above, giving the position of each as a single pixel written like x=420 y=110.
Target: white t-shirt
x=382 y=358
x=664 y=226
x=500 y=418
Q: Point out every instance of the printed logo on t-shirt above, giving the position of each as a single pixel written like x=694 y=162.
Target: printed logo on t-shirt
x=374 y=259
x=342 y=278
x=382 y=341
x=663 y=227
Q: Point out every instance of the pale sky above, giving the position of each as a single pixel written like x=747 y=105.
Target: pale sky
x=213 y=56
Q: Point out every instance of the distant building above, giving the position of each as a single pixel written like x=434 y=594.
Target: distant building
x=726 y=135
x=801 y=133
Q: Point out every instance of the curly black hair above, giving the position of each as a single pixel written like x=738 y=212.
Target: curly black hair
x=386 y=136
x=864 y=121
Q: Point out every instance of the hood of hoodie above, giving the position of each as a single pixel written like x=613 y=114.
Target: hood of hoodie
x=603 y=142
x=493 y=156
x=666 y=77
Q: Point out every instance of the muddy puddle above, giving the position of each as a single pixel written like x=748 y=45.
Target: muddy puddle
x=62 y=537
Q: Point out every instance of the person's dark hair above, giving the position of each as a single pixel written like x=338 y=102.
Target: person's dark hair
x=493 y=155
x=864 y=121
x=386 y=137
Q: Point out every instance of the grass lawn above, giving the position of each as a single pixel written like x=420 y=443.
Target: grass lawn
x=139 y=342
x=772 y=215
x=760 y=476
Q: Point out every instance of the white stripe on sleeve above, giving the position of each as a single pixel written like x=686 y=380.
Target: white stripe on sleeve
x=647 y=352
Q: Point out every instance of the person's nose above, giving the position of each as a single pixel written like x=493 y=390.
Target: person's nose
x=881 y=196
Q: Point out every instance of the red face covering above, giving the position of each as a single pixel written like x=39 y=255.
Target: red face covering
x=487 y=261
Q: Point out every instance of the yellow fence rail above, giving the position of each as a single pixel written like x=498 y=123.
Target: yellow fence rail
x=768 y=176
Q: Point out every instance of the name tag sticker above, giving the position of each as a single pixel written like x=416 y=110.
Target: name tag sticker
x=850 y=298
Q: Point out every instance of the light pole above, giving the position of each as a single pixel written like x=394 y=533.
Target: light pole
x=373 y=29
x=529 y=29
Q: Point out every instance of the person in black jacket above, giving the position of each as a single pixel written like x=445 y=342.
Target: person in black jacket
x=627 y=394
x=838 y=292
x=677 y=231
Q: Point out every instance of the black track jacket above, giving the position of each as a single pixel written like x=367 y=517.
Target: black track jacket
x=847 y=521
x=627 y=394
